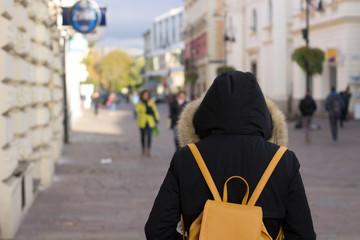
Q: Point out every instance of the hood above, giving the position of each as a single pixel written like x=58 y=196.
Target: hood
x=234 y=104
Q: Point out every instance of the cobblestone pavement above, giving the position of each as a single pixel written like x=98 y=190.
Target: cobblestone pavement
x=90 y=200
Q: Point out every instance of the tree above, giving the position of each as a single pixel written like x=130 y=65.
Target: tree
x=191 y=78
x=92 y=61
x=224 y=69
x=310 y=61
x=115 y=71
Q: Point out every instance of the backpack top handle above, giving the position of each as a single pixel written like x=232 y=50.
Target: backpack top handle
x=246 y=196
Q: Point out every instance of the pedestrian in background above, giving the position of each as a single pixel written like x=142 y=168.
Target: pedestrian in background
x=134 y=101
x=334 y=105
x=176 y=106
x=345 y=96
x=96 y=101
x=307 y=108
x=148 y=117
x=237 y=133
x=112 y=101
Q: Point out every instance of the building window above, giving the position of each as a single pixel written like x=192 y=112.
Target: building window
x=254 y=68
x=173 y=29
x=155 y=34
x=270 y=13
x=160 y=34
x=180 y=20
x=254 y=21
x=166 y=32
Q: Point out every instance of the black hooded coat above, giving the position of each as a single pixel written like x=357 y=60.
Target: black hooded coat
x=234 y=124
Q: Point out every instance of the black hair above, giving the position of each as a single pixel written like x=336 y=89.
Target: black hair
x=180 y=92
x=142 y=94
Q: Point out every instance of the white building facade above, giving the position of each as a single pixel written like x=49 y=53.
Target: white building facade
x=266 y=32
x=31 y=88
x=163 y=52
x=204 y=40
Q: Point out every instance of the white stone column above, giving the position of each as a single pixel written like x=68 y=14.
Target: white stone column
x=281 y=50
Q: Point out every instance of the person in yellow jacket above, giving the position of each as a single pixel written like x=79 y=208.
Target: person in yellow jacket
x=148 y=118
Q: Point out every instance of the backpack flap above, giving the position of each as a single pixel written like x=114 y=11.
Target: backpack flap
x=230 y=221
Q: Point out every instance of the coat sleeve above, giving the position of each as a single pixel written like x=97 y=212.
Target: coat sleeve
x=315 y=106
x=156 y=113
x=165 y=214
x=327 y=103
x=138 y=108
x=298 y=222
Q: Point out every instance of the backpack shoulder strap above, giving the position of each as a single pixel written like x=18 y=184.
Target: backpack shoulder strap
x=265 y=177
x=205 y=172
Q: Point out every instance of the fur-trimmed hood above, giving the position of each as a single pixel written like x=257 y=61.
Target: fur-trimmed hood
x=186 y=128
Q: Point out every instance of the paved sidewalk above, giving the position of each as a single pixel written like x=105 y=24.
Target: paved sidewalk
x=89 y=200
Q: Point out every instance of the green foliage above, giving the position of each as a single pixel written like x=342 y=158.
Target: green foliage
x=115 y=71
x=191 y=77
x=224 y=69
x=309 y=59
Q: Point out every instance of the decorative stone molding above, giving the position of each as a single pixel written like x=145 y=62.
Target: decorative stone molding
x=56 y=145
x=47 y=166
x=38 y=11
x=45 y=94
x=57 y=64
x=56 y=109
x=8 y=161
x=6 y=65
x=20 y=17
x=46 y=135
x=40 y=33
x=34 y=53
x=31 y=116
x=42 y=116
x=6 y=129
x=23 y=45
x=56 y=124
x=24 y=95
x=20 y=121
x=31 y=29
x=31 y=107
x=7 y=8
x=42 y=75
x=8 y=34
x=32 y=9
x=8 y=97
x=22 y=70
x=11 y=201
x=24 y=148
x=35 y=137
x=57 y=94
x=32 y=72
x=56 y=47
x=56 y=80
x=23 y=2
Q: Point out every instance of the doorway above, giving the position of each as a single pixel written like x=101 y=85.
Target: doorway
x=333 y=76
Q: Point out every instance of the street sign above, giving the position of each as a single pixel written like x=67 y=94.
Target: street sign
x=85 y=15
x=95 y=34
x=331 y=56
x=66 y=16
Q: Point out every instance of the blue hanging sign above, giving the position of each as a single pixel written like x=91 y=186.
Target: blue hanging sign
x=85 y=15
x=66 y=16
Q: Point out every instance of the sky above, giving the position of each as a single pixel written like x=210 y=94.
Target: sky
x=128 y=20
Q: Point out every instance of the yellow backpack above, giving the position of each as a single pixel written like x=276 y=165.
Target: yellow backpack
x=230 y=221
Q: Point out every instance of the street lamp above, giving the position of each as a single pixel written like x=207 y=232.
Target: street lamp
x=305 y=33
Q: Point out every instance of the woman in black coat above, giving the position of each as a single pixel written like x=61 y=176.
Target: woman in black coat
x=237 y=132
